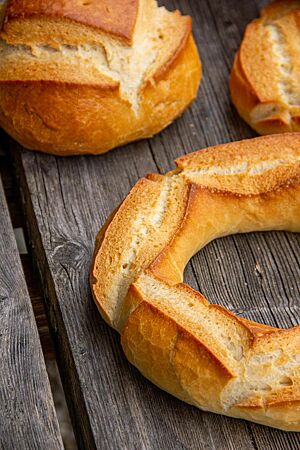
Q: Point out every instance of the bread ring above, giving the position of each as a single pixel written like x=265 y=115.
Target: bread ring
x=265 y=78
x=202 y=353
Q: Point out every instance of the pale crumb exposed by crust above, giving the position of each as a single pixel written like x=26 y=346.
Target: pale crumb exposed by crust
x=219 y=170
x=162 y=202
x=262 y=373
x=254 y=374
x=121 y=280
x=121 y=65
x=243 y=168
x=194 y=313
x=265 y=80
x=264 y=166
x=288 y=84
x=127 y=65
x=267 y=111
x=140 y=229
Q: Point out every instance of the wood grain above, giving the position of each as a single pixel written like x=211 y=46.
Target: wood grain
x=12 y=195
x=257 y=276
x=28 y=419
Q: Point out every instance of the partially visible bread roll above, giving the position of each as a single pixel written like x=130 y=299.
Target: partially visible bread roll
x=265 y=78
x=87 y=76
x=200 y=352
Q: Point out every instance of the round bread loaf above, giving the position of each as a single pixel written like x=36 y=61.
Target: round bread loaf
x=84 y=77
x=199 y=352
x=265 y=78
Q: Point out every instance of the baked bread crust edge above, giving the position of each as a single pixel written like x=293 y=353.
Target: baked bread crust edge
x=245 y=96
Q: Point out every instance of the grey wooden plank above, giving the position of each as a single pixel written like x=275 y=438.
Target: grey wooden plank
x=28 y=418
x=12 y=195
x=67 y=200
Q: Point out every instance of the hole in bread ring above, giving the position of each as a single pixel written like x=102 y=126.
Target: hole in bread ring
x=203 y=353
x=249 y=275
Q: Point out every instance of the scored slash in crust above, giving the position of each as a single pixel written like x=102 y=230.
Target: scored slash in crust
x=87 y=76
x=265 y=78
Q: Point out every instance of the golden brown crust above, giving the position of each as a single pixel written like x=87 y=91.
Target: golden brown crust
x=277 y=8
x=265 y=78
x=203 y=353
x=117 y=17
x=98 y=100
x=61 y=130
x=159 y=73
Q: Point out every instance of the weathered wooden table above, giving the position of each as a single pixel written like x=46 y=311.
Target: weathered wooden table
x=65 y=202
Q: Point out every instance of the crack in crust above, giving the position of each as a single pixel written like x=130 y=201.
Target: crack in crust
x=130 y=65
x=203 y=353
x=265 y=78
